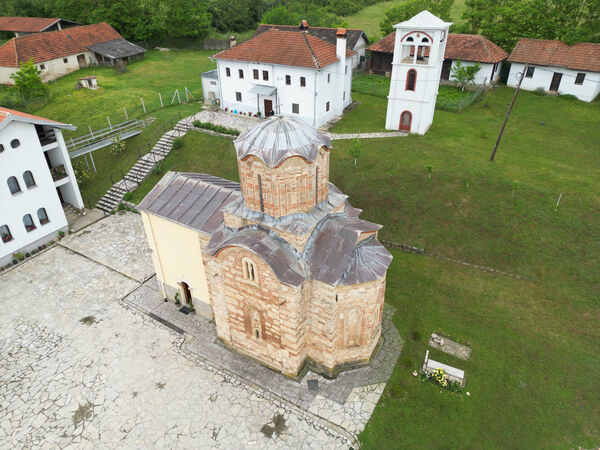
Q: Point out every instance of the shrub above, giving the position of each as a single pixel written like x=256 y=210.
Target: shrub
x=27 y=80
x=177 y=143
x=157 y=169
x=539 y=91
x=118 y=147
x=82 y=173
x=121 y=207
x=61 y=234
x=216 y=128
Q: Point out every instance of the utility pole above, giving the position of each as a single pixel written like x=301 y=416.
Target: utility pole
x=508 y=112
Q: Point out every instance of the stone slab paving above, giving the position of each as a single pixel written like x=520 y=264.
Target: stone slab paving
x=118 y=242
x=80 y=370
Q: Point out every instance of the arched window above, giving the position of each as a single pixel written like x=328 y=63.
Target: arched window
x=5 y=233
x=405 y=121
x=409 y=39
x=13 y=185
x=1 y=148
x=255 y=325
x=42 y=216
x=29 y=180
x=15 y=143
x=249 y=270
x=424 y=40
x=411 y=80
x=28 y=222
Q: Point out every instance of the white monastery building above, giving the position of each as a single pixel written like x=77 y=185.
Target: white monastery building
x=556 y=67
x=416 y=69
x=36 y=178
x=286 y=73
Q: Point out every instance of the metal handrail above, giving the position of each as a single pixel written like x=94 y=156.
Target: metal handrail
x=89 y=139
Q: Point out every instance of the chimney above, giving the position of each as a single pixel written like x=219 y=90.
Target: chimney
x=303 y=26
x=340 y=52
x=232 y=41
x=340 y=48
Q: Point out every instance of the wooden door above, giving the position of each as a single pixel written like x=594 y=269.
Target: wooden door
x=555 y=82
x=405 y=121
x=268 y=107
x=81 y=61
x=187 y=294
x=446 y=66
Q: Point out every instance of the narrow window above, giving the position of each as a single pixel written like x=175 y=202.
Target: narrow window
x=1 y=148
x=260 y=194
x=530 y=71
x=255 y=74
x=28 y=177
x=346 y=70
x=15 y=143
x=266 y=75
x=255 y=324
x=28 y=222
x=344 y=96
x=411 y=80
x=327 y=106
x=227 y=71
x=241 y=73
x=302 y=81
x=295 y=108
x=13 y=185
x=65 y=60
x=238 y=96
x=5 y=233
x=288 y=80
x=248 y=270
x=580 y=78
x=329 y=78
x=42 y=216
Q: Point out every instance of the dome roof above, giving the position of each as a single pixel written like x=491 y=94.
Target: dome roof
x=278 y=138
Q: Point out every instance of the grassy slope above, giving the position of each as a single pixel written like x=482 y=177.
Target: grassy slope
x=532 y=376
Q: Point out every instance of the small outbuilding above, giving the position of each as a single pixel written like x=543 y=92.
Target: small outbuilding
x=89 y=82
x=210 y=87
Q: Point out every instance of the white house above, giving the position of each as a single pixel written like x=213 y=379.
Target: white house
x=57 y=53
x=287 y=73
x=469 y=48
x=556 y=67
x=416 y=68
x=356 y=40
x=36 y=178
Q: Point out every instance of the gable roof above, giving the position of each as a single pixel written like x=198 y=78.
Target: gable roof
x=10 y=115
x=467 y=47
x=580 y=56
x=55 y=44
x=424 y=21
x=286 y=48
x=29 y=24
x=327 y=34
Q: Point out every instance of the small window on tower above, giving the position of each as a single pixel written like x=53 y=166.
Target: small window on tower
x=329 y=78
x=248 y=270
x=327 y=106
x=411 y=79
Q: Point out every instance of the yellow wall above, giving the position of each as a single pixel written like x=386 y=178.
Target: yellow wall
x=177 y=255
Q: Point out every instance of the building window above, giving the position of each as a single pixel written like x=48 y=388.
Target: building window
x=28 y=222
x=241 y=73
x=238 y=96
x=249 y=270
x=344 y=97
x=260 y=194
x=29 y=180
x=580 y=78
x=295 y=108
x=266 y=75
x=13 y=185
x=5 y=233
x=288 y=79
x=327 y=106
x=42 y=216
x=411 y=79
x=255 y=74
x=529 y=73
x=302 y=81
x=255 y=324
x=1 y=148
x=65 y=60
x=227 y=71
x=42 y=67
x=346 y=70
x=15 y=143
x=213 y=83
x=329 y=78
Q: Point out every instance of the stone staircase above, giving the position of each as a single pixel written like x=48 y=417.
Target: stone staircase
x=143 y=167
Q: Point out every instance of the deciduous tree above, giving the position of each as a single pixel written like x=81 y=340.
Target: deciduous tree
x=28 y=82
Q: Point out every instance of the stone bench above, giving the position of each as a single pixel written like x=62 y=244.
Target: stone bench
x=453 y=374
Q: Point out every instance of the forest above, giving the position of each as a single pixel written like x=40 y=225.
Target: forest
x=502 y=21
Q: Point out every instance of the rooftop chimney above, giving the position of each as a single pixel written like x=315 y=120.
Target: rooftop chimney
x=341 y=33
x=340 y=52
x=304 y=26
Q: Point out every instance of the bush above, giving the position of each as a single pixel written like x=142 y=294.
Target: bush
x=128 y=196
x=539 y=91
x=157 y=169
x=216 y=128
x=118 y=147
x=82 y=173
x=177 y=143
x=121 y=207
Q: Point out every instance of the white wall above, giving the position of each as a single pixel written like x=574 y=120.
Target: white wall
x=311 y=98
x=360 y=48
x=542 y=77
x=210 y=85
x=53 y=68
x=484 y=75
x=13 y=162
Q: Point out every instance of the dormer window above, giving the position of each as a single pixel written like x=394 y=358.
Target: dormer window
x=249 y=270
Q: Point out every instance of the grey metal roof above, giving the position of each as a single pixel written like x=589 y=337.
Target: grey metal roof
x=210 y=74
x=261 y=89
x=117 y=48
x=193 y=200
x=369 y=262
x=277 y=138
x=327 y=34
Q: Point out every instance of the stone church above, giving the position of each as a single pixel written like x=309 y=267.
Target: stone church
x=281 y=261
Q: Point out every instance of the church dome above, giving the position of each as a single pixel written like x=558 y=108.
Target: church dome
x=278 y=138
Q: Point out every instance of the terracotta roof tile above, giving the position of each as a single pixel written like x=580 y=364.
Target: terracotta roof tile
x=468 y=47
x=26 y=24
x=327 y=34
x=286 y=48
x=55 y=44
x=581 y=56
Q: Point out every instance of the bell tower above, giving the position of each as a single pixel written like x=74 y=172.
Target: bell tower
x=419 y=49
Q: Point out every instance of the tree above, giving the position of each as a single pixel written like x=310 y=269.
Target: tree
x=187 y=19
x=355 y=149
x=464 y=75
x=279 y=15
x=406 y=10
x=28 y=82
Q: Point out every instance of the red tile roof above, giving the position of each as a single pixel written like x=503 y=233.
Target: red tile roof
x=581 y=56
x=8 y=115
x=287 y=48
x=26 y=24
x=55 y=44
x=467 y=47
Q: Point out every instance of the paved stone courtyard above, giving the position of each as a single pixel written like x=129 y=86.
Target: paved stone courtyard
x=82 y=364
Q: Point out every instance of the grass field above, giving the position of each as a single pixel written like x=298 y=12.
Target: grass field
x=533 y=376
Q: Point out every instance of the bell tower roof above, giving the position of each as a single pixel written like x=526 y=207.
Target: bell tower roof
x=424 y=21
x=278 y=138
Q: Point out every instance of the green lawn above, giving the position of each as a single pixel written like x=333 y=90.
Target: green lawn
x=533 y=376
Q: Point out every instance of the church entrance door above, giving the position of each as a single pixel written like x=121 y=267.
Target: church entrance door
x=405 y=121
